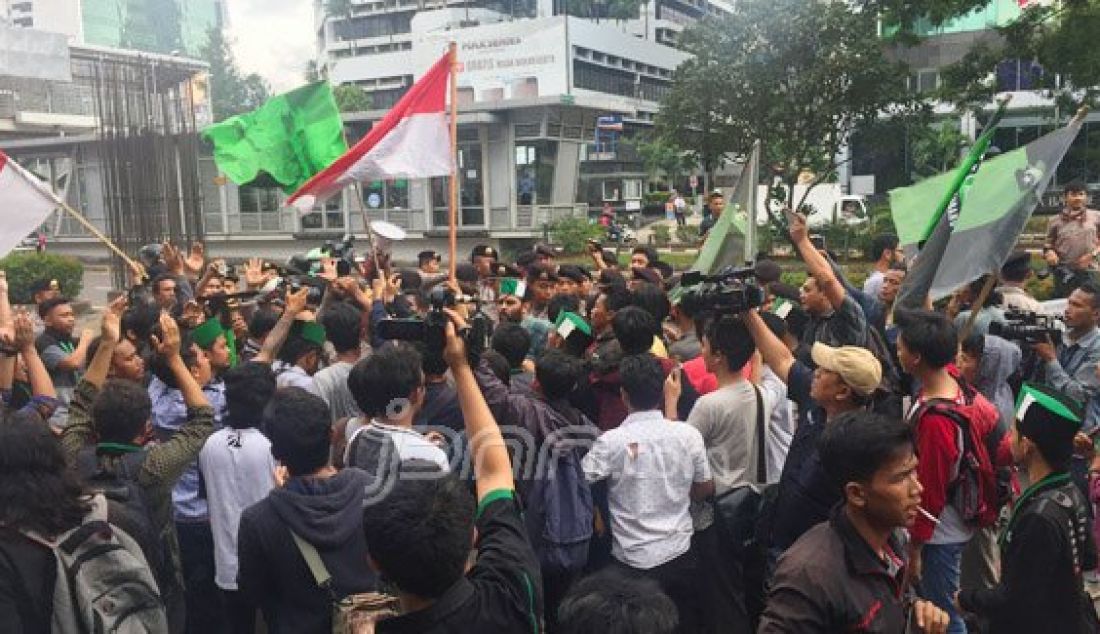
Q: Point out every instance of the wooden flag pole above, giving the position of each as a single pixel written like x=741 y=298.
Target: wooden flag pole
x=98 y=234
x=453 y=51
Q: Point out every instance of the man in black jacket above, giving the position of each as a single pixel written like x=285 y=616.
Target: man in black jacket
x=1048 y=541
x=849 y=573
x=321 y=506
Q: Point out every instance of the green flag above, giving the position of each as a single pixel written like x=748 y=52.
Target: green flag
x=995 y=204
x=291 y=137
x=726 y=243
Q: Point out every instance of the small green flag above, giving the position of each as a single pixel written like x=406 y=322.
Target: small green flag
x=291 y=137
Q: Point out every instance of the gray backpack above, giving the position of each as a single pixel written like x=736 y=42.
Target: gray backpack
x=103 y=582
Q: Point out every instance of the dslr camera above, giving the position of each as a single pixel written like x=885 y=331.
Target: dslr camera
x=732 y=290
x=1028 y=327
x=432 y=329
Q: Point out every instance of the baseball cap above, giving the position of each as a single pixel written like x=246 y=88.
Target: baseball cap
x=857 y=367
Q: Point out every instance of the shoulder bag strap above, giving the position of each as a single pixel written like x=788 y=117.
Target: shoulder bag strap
x=313 y=560
x=761 y=438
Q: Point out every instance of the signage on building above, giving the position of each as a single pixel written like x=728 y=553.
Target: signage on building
x=525 y=59
x=612 y=122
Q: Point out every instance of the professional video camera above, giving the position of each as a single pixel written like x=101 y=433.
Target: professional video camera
x=432 y=328
x=1028 y=327
x=731 y=291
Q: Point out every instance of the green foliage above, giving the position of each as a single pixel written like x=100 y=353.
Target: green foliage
x=827 y=74
x=231 y=92
x=936 y=149
x=572 y=233
x=23 y=268
x=662 y=235
x=659 y=156
x=1053 y=36
x=687 y=234
x=351 y=98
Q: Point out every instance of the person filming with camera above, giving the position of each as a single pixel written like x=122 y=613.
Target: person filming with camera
x=1069 y=364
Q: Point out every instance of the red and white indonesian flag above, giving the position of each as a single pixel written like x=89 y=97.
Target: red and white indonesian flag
x=413 y=140
x=25 y=202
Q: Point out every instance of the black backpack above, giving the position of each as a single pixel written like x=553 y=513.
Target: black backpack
x=127 y=507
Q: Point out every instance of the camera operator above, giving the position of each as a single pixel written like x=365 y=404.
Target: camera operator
x=1071 y=243
x=1069 y=365
x=835 y=318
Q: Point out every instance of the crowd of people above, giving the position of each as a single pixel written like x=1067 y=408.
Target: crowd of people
x=542 y=446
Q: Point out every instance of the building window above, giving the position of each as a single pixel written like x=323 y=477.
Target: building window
x=924 y=81
x=331 y=220
x=535 y=172
x=259 y=208
x=601 y=79
x=372 y=26
x=1017 y=74
x=470 y=200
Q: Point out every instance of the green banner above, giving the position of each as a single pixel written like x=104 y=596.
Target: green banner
x=291 y=137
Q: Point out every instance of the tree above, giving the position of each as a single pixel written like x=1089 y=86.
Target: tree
x=936 y=148
x=351 y=98
x=800 y=76
x=1052 y=42
x=608 y=9
x=231 y=93
x=659 y=156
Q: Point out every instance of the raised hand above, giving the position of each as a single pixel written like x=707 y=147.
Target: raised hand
x=253 y=272
x=110 y=330
x=196 y=258
x=296 y=300
x=168 y=344
x=23 y=331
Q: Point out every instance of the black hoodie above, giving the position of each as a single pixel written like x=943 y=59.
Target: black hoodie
x=327 y=513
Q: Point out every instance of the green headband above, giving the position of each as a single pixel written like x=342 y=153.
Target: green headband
x=514 y=287
x=569 y=323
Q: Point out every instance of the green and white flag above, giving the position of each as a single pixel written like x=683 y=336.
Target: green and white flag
x=291 y=137
x=732 y=239
x=983 y=211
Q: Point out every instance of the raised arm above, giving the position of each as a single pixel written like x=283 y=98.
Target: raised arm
x=774 y=352
x=816 y=263
x=295 y=303
x=75 y=360
x=109 y=334
x=41 y=384
x=166 y=462
x=7 y=336
x=492 y=467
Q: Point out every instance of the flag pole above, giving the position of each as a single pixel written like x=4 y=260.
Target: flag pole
x=92 y=229
x=453 y=216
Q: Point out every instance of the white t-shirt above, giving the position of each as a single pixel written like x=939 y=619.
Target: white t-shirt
x=331 y=384
x=238 y=471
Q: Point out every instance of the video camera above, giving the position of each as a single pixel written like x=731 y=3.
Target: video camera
x=731 y=291
x=343 y=252
x=1028 y=327
x=432 y=329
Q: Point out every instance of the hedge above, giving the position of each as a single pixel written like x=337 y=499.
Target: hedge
x=23 y=268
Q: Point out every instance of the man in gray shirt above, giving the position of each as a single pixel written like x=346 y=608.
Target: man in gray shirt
x=726 y=419
x=342 y=323
x=62 y=355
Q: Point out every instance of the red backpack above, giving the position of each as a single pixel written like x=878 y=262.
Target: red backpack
x=975 y=489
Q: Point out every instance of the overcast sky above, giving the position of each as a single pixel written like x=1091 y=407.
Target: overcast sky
x=273 y=38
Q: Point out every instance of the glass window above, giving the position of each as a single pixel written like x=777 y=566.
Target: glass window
x=535 y=172
x=469 y=186
x=259 y=208
x=388 y=194
x=331 y=219
x=632 y=189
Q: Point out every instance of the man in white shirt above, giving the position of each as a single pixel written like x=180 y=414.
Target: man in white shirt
x=388 y=385
x=654 y=467
x=885 y=252
x=238 y=471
